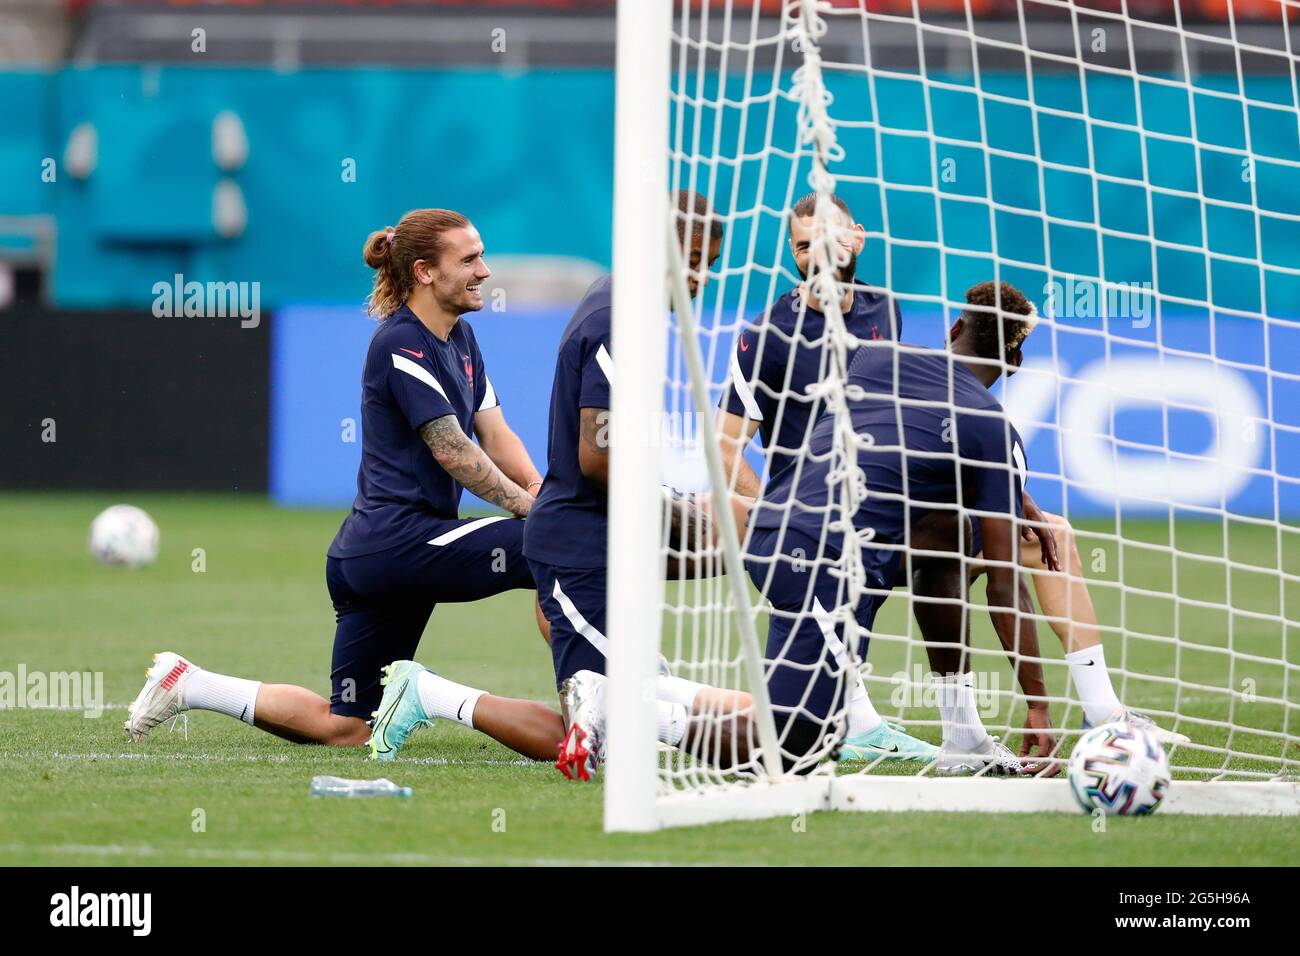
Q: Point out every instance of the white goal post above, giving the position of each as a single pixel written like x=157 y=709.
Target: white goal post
x=1134 y=174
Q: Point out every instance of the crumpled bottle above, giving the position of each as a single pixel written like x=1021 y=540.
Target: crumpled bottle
x=324 y=786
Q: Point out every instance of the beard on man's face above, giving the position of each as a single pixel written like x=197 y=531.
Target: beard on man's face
x=457 y=298
x=846 y=274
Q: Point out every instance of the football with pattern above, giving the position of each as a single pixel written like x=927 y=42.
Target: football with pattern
x=1120 y=769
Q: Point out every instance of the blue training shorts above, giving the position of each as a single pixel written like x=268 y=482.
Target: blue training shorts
x=806 y=654
x=573 y=601
x=382 y=601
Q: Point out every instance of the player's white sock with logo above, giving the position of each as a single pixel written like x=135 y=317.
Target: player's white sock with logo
x=445 y=698
x=670 y=720
x=963 y=731
x=233 y=696
x=863 y=717
x=1088 y=671
x=677 y=690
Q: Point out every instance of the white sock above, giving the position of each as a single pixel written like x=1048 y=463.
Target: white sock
x=677 y=690
x=671 y=721
x=445 y=698
x=963 y=731
x=233 y=696
x=862 y=713
x=1088 y=671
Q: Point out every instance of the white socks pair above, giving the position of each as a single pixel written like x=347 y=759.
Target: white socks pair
x=237 y=697
x=963 y=730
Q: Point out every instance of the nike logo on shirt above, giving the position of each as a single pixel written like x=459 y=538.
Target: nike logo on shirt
x=410 y=352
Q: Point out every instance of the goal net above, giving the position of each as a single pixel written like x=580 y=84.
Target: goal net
x=1134 y=170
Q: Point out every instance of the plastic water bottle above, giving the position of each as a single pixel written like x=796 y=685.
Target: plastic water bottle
x=343 y=787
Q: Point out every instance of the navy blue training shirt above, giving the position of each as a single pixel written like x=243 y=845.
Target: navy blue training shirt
x=567 y=524
x=932 y=388
x=411 y=377
x=778 y=345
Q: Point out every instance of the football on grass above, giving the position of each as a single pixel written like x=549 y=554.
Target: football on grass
x=124 y=534
x=1120 y=769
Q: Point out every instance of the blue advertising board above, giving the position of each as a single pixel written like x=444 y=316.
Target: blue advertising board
x=1199 y=413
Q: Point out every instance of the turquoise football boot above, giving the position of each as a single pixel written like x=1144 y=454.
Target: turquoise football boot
x=888 y=741
x=400 y=712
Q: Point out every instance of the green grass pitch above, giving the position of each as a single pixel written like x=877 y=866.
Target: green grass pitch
x=73 y=791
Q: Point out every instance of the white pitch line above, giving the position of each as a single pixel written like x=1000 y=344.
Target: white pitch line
x=306 y=856
x=73 y=707
x=257 y=758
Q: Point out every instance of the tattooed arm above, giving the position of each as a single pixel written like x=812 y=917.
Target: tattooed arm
x=471 y=466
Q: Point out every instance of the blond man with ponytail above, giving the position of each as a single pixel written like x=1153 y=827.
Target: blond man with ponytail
x=426 y=400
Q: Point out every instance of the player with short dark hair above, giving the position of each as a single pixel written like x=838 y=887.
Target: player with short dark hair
x=933 y=439
x=1061 y=589
x=403 y=549
x=566 y=533
x=565 y=539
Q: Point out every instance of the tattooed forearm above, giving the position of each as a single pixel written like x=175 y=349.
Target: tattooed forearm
x=470 y=465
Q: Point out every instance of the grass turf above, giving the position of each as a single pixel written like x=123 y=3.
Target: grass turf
x=72 y=791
